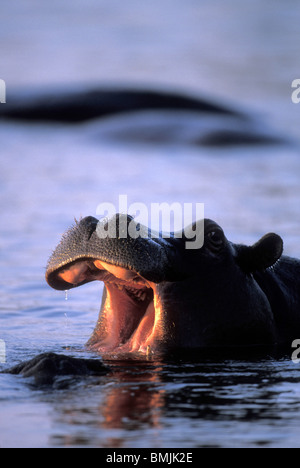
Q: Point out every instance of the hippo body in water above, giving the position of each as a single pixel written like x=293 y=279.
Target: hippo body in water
x=80 y=105
x=162 y=298
x=141 y=115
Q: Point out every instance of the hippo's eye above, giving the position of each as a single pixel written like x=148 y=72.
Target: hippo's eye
x=216 y=239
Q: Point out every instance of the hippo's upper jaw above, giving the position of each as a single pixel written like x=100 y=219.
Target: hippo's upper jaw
x=160 y=296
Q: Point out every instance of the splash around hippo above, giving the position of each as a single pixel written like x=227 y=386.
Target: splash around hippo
x=160 y=298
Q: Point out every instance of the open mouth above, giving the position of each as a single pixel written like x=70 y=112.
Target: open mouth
x=131 y=319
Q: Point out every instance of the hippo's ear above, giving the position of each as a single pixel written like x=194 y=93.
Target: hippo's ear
x=262 y=255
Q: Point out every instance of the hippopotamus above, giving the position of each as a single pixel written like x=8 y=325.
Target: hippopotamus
x=139 y=114
x=161 y=297
x=80 y=105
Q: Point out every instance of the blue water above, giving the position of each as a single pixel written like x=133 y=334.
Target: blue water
x=49 y=174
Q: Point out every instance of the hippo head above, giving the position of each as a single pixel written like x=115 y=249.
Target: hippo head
x=160 y=295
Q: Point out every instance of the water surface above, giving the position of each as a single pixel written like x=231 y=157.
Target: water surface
x=50 y=174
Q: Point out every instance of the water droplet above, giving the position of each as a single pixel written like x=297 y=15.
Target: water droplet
x=149 y=352
x=66 y=295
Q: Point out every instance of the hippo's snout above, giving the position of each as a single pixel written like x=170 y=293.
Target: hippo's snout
x=131 y=269
x=110 y=242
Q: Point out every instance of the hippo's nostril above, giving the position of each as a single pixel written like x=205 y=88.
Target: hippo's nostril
x=90 y=225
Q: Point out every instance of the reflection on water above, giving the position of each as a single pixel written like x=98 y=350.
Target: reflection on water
x=132 y=400
x=226 y=403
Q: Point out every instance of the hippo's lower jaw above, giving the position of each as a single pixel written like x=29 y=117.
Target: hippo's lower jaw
x=131 y=319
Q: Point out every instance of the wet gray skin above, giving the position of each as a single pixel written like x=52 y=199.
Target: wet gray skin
x=160 y=296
